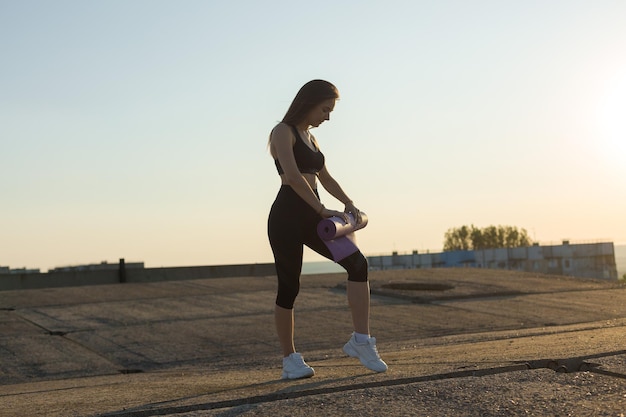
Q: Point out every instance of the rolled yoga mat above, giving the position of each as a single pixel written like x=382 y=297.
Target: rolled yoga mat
x=339 y=236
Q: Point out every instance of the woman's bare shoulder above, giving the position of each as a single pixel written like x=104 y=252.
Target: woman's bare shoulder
x=282 y=131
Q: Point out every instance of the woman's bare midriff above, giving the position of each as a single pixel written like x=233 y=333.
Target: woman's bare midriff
x=310 y=178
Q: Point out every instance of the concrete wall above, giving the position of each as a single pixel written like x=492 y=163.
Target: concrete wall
x=200 y=272
x=79 y=278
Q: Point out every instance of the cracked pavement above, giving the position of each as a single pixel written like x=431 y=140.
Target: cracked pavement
x=469 y=342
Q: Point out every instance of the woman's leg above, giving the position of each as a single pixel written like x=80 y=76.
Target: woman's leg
x=284 y=327
x=288 y=267
x=359 y=302
x=358 y=290
x=361 y=345
x=284 y=236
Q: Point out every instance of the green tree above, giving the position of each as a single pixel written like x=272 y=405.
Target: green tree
x=458 y=239
x=471 y=237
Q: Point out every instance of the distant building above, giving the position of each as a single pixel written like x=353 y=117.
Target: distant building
x=8 y=271
x=102 y=266
x=587 y=260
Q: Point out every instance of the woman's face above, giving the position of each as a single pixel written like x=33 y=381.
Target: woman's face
x=320 y=113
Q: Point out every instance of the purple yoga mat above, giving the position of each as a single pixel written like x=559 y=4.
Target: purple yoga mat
x=339 y=236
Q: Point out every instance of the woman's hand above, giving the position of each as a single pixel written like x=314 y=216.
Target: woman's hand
x=326 y=213
x=351 y=208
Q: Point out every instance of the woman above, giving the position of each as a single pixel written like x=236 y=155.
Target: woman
x=293 y=223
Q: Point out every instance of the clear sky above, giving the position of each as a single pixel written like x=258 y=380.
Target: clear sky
x=138 y=129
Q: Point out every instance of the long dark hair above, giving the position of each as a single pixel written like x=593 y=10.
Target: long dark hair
x=310 y=95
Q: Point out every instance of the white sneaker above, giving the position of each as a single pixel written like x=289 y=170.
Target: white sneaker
x=366 y=352
x=295 y=367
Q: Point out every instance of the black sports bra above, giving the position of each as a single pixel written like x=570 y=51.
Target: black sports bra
x=308 y=160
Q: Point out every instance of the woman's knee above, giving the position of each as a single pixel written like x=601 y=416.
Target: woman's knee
x=287 y=292
x=288 y=267
x=356 y=266
x=286 y=298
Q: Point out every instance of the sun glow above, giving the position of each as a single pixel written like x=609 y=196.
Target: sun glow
x=612 y=123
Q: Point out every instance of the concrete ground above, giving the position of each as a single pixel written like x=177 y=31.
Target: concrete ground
x=461 y=342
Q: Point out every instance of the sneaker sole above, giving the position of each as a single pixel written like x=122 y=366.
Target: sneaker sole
x=309 y=374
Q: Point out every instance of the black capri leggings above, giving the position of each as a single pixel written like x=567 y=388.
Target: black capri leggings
x=292 y=223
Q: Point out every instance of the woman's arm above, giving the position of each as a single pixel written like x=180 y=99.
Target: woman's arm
x=333 y=187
